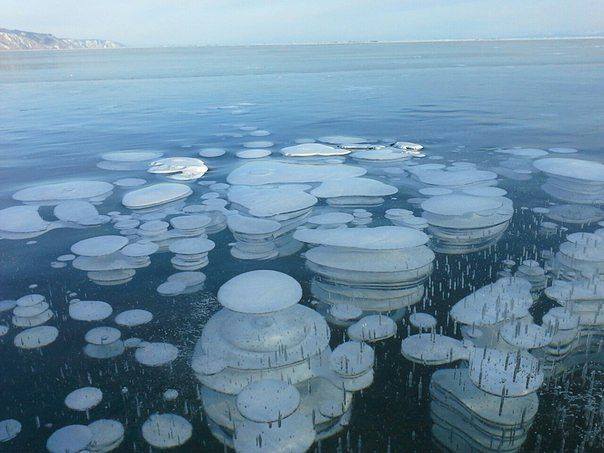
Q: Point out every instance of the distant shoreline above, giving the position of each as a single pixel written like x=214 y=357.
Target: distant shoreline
x=326 y=43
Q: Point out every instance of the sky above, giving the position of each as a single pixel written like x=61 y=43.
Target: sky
x=232 y=22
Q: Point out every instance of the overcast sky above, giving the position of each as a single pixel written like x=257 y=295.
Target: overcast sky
x=199 y=22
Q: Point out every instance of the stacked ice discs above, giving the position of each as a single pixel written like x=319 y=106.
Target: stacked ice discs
x=254 y=237
x=375 y=269
x=191 y=254
x=467 y=418
x=463 y=223
x=573 y=180
x=264 y=359
x=31 y=311
x=354 y=192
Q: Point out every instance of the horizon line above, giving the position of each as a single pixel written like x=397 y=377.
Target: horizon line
x=405 y=41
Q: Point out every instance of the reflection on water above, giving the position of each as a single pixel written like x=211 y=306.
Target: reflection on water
x=380 y=266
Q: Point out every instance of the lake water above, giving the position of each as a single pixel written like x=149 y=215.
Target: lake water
x=463 y=101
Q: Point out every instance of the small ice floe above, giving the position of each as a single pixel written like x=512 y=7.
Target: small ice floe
x=563 y=150
x=54 y=193
x=182 y=283
x=103 y=343
x=330 y=220
x=128 y=160
x=72 y=438
x=31 y=310
x=253 y=153
x=9 y=429
x=505 y=373
x=156 y=195
x=581 y=254
x=211 y=152
x=36 y=337
x=575 y=214
x=405 y=218
x=507 y=299
x=452 y=177
x=342 y=139
x=7 y=305
x=384 y=156
x=266 y=291
x=372 y=328
x=156 y=354
x=353 y=362
x=23 y=222
x=133 y=318
x=107 y=435
x=99 y=246
x=573 y=180
x=84 y=399
x=191 y=225
x=433 y=349
x=527 y=153
x=166 y=430
x=526 y=335
x=274 y=172
x=268 y=400
x=79 y=213
x=170 y=395
x=89 y=310
x=313 y=150
x=463 y=223
x=349 y=192
x=191 y=254
x=254 y=237
x=260 y=133
x=422 y=321
x=179 y=168
x=258 y=144
x=409 y=146
x=345 y=312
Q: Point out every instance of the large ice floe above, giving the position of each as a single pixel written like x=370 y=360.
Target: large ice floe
x=270 y=379
x=378 y=270
x=573 y=180
x=54 y=193
x=274 y=172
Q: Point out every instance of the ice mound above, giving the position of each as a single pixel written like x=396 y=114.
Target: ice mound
x=267 y=370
